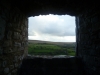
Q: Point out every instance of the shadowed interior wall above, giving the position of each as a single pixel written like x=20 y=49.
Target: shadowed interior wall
x=13 y=39
x=88 y=40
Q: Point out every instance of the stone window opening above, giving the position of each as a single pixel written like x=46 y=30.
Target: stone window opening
x=44 y=28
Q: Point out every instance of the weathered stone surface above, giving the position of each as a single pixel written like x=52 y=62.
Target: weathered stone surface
x=2 y=28
x=15 y=59
x=0 y=64
x=7 y=43
x=6 y=70
x=17 y=44
x=88 y=42
x=11 y=67
x=11 y=20
x=16 y=35
x=9 y=74
x=1 y=51
x=16 y=65
x=4 y=63
x=9 y=35
x=53 y=66
x=60 y=7
x=1 y=71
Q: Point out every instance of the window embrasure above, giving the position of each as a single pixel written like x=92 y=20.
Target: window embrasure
x=52 y=35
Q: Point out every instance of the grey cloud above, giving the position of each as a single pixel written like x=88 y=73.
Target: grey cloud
x=59 y=32
x=31 y=33
x=63 y=26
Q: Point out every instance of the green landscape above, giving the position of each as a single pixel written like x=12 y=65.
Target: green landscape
x=36 y=47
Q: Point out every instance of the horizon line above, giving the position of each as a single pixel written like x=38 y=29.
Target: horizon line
x=45 y=41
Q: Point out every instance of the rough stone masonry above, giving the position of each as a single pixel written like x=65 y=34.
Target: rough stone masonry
x=13 y=39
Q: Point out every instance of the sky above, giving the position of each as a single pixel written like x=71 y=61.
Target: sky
x=56 y=28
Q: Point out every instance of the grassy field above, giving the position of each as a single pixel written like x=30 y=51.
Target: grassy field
x=51 y=48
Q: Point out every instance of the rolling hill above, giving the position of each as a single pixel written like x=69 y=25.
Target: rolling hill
x=49 y=42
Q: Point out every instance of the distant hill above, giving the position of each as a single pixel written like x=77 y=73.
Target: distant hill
x=49 y=42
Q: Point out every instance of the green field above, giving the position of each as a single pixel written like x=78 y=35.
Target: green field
x=51 y=49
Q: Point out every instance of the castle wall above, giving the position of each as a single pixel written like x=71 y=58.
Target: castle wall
x=88 y=40
x=13 y=38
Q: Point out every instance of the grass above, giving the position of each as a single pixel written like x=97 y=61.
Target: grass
x=50 y=49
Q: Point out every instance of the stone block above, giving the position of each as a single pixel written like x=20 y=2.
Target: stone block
x=22 y=27
x=1 y=51
x=26 y=23
x=10 y=50
x=15 y=48
x=21 y=37
x=9 y=74
x=15 y=59
x=16 y=65
x=23 y=33
x=4 y=63
x=2 y=32
x=9 y=25
x=11 y=67
x=1 y=71
x=6 y=70
x=7 y=43
x=7 y=50
x=16 y=35
x=23 y=43
x=26 y=38
x=0 y=64
x=2 y=22
x=9 y=34
x=14 y=71
x=17 y=44
x=20 y=57
x=21 y=48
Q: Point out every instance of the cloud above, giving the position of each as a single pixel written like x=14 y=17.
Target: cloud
x=54 y=38
x=52 y=25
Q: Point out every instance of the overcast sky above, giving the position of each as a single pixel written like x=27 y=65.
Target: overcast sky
x=57 y=28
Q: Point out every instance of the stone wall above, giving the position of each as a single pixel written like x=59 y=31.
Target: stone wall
x=51 y=66
x=88 y=40
x=13 y=38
